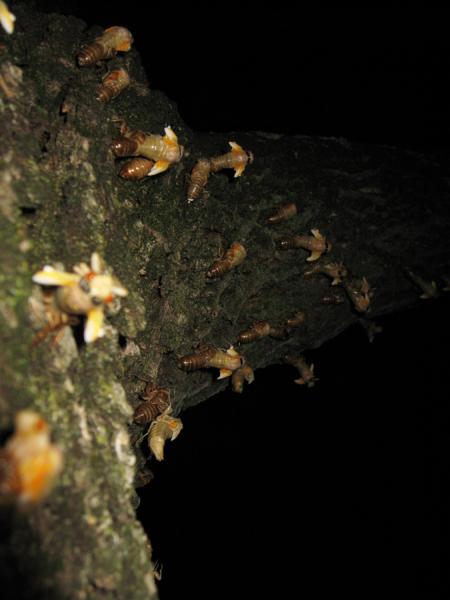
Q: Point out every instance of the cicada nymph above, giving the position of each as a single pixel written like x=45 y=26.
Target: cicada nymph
x=244 y=374
x=156 y=400
x=164 y=150
x=359 y=292
x=260 y=330
x=285 y=211
x=29 y=462
x=306 y=371
x=316 y=244
x=371 y=328
x=112 y=40
x=236 y=159
x=208 y=356
x=335 y=270
x=136 y=168
x=232 y=258
x=296 y=320
x=87 y=292
x=429 y=288
x=333 y=299
x=198 y=179
x=112 y=85
x=163 y=428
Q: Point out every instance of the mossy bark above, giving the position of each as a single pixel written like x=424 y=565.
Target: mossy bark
x=383 y=209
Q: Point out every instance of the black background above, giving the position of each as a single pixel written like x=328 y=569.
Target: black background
x=342 y=488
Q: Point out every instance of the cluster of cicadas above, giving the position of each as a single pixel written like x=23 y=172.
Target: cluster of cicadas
x=112 y=40
x=149 y=153
x=357 y=289
x=91 y=289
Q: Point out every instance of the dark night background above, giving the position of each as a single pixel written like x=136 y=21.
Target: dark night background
x=343 y=487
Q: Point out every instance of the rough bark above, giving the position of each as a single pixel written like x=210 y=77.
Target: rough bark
x=382 y=208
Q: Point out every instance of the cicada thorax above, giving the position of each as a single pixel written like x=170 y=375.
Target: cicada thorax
x=239 y=376
x=165 y=427
x=197 y=360
x=232 y=258
x=73 y=300
x=112 y=85
x=285 y=211
x=257 y=331
x=316 y=244
x=136 y=168
x=278 y=333
x=198 y=178
x=225 y=360
x=157 y=147
x=236 y=159
x=112 y=40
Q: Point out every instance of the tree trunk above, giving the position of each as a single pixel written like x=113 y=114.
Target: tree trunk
x=384 y=210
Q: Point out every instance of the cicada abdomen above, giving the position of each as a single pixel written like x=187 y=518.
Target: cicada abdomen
x=208 y=356
x=198 y=179
x=156 y=401
x=128 y=144
x=285 y=211
x=112 y=85
x=136 y=168
x=232 y=258
x=197 y=360
x=112 y=40
x=259 y=330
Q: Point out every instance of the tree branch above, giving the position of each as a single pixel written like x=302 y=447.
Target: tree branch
x=384 y=211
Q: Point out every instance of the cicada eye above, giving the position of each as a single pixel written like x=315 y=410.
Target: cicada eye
x=84 y=285
x=96 y=300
